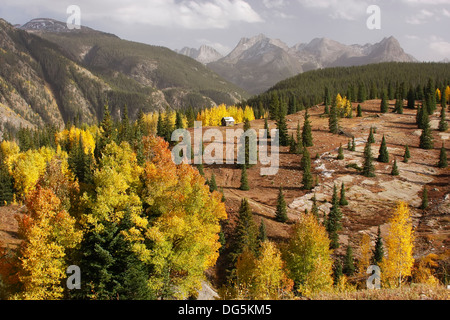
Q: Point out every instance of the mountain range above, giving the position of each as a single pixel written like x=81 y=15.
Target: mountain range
x=258 y=63
x=50 y=74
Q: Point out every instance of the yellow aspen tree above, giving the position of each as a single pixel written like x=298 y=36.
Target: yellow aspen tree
x=48 y=232
x=397 y=264
x=365 y=254
x=447 y=94
x=308 y=257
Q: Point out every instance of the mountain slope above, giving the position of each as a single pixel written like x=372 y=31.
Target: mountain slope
x=258 y=63
x=49 y=75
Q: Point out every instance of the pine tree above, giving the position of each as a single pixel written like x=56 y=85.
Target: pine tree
x=281 y=212
x=334 y=220
x=125 y=128
x=179 y=120
x=426 y=139
x=337 y=271
x=424 y=204
x=359 y=111
x=327 y=97
x=362 y=94
x=384 y=103
x=343 y=201
x=299 y=142
x=349 y=265
x=6 y=183
x=307 y=133
x=333 y=121
x=307 y=180
x=212 y=183
x=407 y=155
x=266 y=127
x=340 y=153
x=443 y=125
x=371 y=138
x=395 y=171
x=368 y=168
x=443 y=158
x=399 y=105
x=353 y=148
x=262 y=236
x=244 y=179
x=282 y=128
x=378 y=252
x=411 y=99
x=384 y=154
x=274 y=109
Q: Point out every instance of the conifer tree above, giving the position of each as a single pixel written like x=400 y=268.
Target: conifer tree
x=349 y=264
x=384 y=103
x=407 y=155
x=266 y=127
x=399 y=105
x=244 y=179
x=340 y=153
x=359 y=113
x=281 y=212
x=262 y=236
x=212 y=183
x=424 y=204
x=362 y=93
x=343 y=200
x=378 y=252
x=282 y=128
x=426 y=139
x=443 y=125
x=411 y=99
x=307 y=133
x=384 y=154
x=395 y=171
x=337 y=271
x=307 y=180
x=334 y=220
x=368 y=168
x=274 y=111
x=443 y=158
x=327 y=97
x=299 y=142
x=371 y=138
x=353 y=148
x=333 y=121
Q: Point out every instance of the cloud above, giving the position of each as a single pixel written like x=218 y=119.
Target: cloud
x=339 y=9
x=188 y=14
x=274 y=4
x=420 y=18
x=441 y=48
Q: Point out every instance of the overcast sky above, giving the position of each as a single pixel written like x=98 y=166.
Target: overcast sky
x=421 y=26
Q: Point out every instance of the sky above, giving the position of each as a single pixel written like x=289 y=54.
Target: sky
x=421 y=26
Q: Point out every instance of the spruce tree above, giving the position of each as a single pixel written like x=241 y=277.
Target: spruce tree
x=333 y=120
x=6 y=183
x=443 y=158
x=395 y=171
x=340 y=153
x=282 y=128
x=353 y=149
x=342 y=200
x=424 y=204
x=426 y=139
x=384 y=103
x=266 y=127
x=212 y=183
x=299 y=142
x=274 y=107
x=349 y=265
x=399 y=105
x=262 y=235
x=307 y=180
x=378 y=252
x=362 y=93
x=327 y=97
x=359 y=111
x=244 y=179
x=407 y=155
x=281 y=212
x=368 y=167
x=384 y=154
x=443 y=125
x=334 y=220
x=371 y=138
x=307 y=132
x=337 y=271
x=411 y=99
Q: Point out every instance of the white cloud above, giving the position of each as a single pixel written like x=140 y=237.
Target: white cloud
x=274 y=4
x=189 y=14
x=339 y=9
x=441 y=49
x=422 y=17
